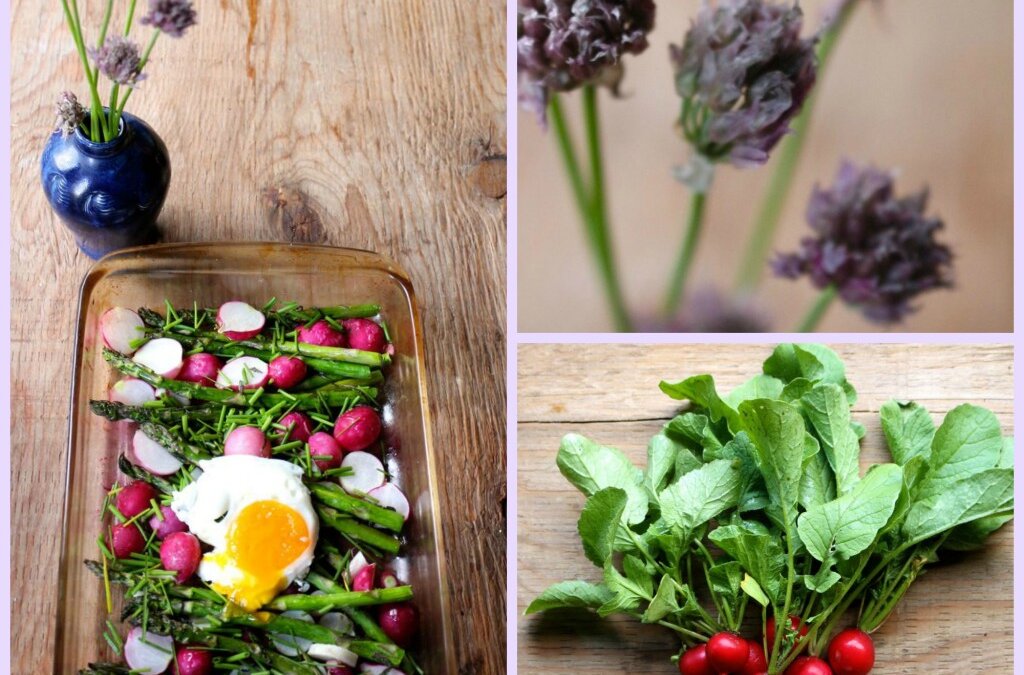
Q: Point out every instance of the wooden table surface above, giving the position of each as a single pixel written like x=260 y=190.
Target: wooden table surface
x=956 y=619
x=376 y=125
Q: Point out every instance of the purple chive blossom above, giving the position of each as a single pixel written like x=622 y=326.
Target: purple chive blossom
x=879 y=251
x=119 y=60
x=172 y=17
x=743 y=72
x=564 y=44
x=70 y=114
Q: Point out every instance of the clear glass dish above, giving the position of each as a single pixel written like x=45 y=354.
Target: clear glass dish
x=210 y=274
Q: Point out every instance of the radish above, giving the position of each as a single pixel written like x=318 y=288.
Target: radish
x=325 y=451
x=757 y=662
x=148 y=653
x=341 y=670
x=365 y=579
x=727 y=652
x=851 y=652
x=152 y=456
x=169 y=525
x=120 y=328
x=367 y=473
x=286 y=371
x=301 y=426
x=333 y=654
x=239 y=321
x=135 y=498
x=694 y=661
x=180 y=553
x=320 y=333
x=201 y=368
x=378 y=669
x=338 y=622
x=357 y=563
x=247 y=441
x=162 y=356
x=365 y=334
x=390 y=497
x=400 y=621
x=357 y=428
x=290 y=645
x=192 y=661
x=126 y=539
x=132 y=391
x=794 y=622
x=808 y=665
x=243 y=372
x=388 y=579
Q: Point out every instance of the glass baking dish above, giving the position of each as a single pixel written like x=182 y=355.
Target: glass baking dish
x=210 y=274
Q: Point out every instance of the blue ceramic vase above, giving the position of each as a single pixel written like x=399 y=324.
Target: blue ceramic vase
x=108 y=194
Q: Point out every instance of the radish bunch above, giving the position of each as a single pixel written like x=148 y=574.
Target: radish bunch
x=851 y=652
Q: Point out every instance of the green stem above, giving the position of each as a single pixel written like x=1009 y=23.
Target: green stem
x=332 y=495
x=331 y=601
x=75 y=26
x=699 y=637
x=131 y=17
x=818 y=309
x=677 y=287
x=116 y=119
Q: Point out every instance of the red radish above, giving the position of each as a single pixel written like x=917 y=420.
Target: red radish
x=357 y=429
x=808 y=665
x=320 y=333
x=239 y=321
x=192 y=661
x=365 y=579
x=243 y=372
x=135 y=498
x=851 y=652
x=169 y=525
x=126 y=539
x=388 y=579
x=162 y=356
x=342 y=670
x=399 y=621
x=333 y=654
x=694 y=661
x=180 y=553
x=152 y=456
x=148 y=653
x=301 y=426
x=794 y=621
x=365 y=334
x=120 y=327
x=201 y=368
x=325 y=451
x=757 y=662
x=377 y=669
x=247 y=441
x=367 y=473
x=131 y=391
x=390 y=497
x=357 y=563
x=727 y=652
x=286 y=371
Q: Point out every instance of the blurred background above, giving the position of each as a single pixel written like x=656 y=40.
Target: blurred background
x=922 y=87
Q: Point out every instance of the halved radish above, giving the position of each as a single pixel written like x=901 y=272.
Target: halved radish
x=367 y=473
x=152 y=456
x=290 y=645
x=332 y=654
x=120 y=327
x=132 y=391
x=390 y=497
x=244 y=372
x=162 y=356
x=239 y=321
x=148 y=653
x=377 y=669
x=338 y=622
x=365 y=579
x=247 y=441
x=357 y=563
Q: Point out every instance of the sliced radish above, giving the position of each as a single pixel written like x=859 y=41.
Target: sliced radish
x=338 y=622
x=120 y=327
x=162 y=356
x=390 y=497
x=239 y=321
x=247 y=441
x=132 y=391
x=365 y=579
x=367 y=473
x=148 y=653
x=377 y=669
x=244 y=372
x=357 y=563
x=290 y=645
x=332 y=654
x=152 y=456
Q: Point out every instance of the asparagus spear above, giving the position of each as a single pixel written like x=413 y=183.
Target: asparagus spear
x=183 y=451
x=332 y=495
x=357 y=531
x=168 y=415
x=330 y=601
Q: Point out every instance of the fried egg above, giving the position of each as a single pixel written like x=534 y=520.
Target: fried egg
x=257 y=515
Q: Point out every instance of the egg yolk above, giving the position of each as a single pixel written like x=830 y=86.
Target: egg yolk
x=264 y=539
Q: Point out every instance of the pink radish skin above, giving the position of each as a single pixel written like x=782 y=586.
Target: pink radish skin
x=399 y=621
x=365 y=334
x=341 y=670
x=201 y=368
x=320 y=333
x=169 y=525
x=390 y=497
x=325 y=451
x=357 y=429
x=286 y=371
x=152 y=456
x=367 y=473
x=388 y=579
x=247 y=441
x=301 y=426
x=237 y=320
x=357 y=563
x=120 y=327
x=180 y=552
x=131 y=391
x=149 y=653
x=365 y=579
x=163 y=356
x=192 y=661
x=134 y=498
x=126 y=539
x=244 y=372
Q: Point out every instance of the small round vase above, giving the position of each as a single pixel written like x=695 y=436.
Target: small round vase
x=108 y=194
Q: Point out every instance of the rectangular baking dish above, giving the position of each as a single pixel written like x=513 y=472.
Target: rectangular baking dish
x=211 y=274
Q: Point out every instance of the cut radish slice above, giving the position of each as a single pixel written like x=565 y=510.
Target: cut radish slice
x=332 y=654
x=377 y=669
x=338 y=622
x=244 y=372
x=120 y=327
x=152 y=456
x=239 y=321
x=290 y=645
x=357 y=563
x=148 y=653
x=247 y=441
x=131 y=391
x=367 y=473
x=390 y=497
x=162 y=356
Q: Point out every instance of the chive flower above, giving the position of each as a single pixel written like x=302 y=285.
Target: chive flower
x=172 y=17
x=878 y=251
x=70 y=114
x=119 y=60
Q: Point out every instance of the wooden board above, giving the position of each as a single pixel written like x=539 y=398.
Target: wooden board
x=376 y=125
x=957 y=618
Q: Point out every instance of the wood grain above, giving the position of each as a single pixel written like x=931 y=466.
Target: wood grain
x=958 y=618
x=375 y=125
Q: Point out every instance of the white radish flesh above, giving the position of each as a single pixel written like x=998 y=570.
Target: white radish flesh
x=290 y=645
x=333 y=654
x=163 y=356
x=120 y=328
x=367 y=473
x=148 y=653
x=244 y=372
x=357 y=563
x=152 y=456
x=339 y=623
x=377 y=669
x=239 y=321
x=390 y=497
x=131 y=391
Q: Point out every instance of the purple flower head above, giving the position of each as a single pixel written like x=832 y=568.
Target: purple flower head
x=70 y=114
x=878 y=250
x=172 y=17
x=743 y=72
x=564 y=44
x=119 y=60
